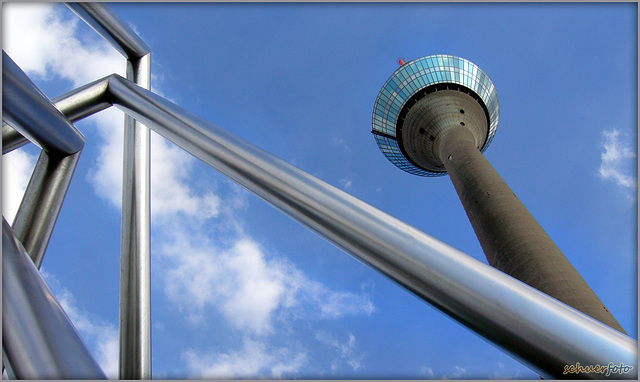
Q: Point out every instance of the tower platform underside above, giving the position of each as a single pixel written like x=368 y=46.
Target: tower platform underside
x=420 y=134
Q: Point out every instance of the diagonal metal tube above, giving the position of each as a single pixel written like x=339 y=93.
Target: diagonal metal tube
x=111 y=27
x=84 y=101
x=30 y=112
x=11 y=139
x=75 y=105
x=38 y=340
x=42 y=202
x=535 y=328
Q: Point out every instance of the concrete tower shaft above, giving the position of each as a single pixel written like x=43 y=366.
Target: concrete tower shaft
x=512 y=240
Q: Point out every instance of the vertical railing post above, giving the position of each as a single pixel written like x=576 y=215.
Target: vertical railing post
x=135 y=261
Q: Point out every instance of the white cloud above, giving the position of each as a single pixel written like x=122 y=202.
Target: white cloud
x=43 y=43
x=342 y=144
x=345 y=183
x=239 y=282
x=248 y=288
x=346 y=350
x=170 y=179
x=503 y=373
x=617 y=160
x=105 y=174
x=170 y=173
x=17 y=167
x=458 y=373
x=100 y=335
x=254 y=360
x=427 y=372
x=334 y=304
x=53 y=50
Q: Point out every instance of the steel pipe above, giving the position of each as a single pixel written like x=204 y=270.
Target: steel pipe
x=540 y=331
x=11 y=139
x=135 y=253
x=42 y=202
x=29 y=111
x=38 y=339
x=47 y=188
x=111 y=27
x=84 y=101
x=75 y=105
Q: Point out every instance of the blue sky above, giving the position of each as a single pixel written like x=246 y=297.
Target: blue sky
x=241 y=290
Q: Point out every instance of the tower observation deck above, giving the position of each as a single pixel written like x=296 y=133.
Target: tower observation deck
x=437 y=115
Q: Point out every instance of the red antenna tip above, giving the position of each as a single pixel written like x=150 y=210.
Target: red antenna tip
x=400 y=61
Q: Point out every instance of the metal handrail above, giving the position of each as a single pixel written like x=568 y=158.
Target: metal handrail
x=535 y=328
x=538 y=329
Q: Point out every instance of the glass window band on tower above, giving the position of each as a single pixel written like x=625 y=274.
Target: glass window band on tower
x=415 y=76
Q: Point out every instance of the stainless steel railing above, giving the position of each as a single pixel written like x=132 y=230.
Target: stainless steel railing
x=533 y=327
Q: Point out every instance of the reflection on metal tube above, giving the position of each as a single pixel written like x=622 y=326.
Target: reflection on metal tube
x=38 y=340
x=30 y=112
x=539 y=330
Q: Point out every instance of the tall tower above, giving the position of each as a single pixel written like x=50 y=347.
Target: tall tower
x=437 y=115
